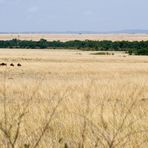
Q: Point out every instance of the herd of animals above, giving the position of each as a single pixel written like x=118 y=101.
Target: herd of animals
x=12 y=65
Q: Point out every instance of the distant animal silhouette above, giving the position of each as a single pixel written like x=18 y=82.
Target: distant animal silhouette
x=3 y=64
x=12 y=64
x=19 y=65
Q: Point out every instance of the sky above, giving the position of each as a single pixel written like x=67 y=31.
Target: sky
x=72 y=15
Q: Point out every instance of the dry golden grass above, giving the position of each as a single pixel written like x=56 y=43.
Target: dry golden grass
x=62 y=98
x=67 y=37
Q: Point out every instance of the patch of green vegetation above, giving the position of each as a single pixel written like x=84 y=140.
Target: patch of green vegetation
x=102 y=53
x=139 y=52
x=135 y=47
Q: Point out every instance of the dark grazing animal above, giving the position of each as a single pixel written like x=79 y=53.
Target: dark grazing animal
x=3 y=64
x=12 y=64
x=19 y=65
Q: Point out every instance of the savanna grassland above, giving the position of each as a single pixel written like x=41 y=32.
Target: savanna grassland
x=81 y=37
x=73 y=99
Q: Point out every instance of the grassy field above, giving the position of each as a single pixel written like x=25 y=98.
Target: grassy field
x=67 y=37
x=73 y=99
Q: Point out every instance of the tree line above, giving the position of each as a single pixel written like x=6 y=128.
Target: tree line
x=134 y=47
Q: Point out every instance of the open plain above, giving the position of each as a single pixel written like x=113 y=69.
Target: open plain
x=68 y=37
x=71 y=98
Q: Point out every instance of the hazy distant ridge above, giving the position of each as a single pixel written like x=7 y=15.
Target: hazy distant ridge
x=134 y=31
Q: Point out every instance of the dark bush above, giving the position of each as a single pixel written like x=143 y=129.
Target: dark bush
x=135 y=47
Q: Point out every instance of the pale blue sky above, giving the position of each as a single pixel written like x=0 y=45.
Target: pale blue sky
x=72 y=15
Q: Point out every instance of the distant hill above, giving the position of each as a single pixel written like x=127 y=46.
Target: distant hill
x=128 y=31
x=133 y=31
